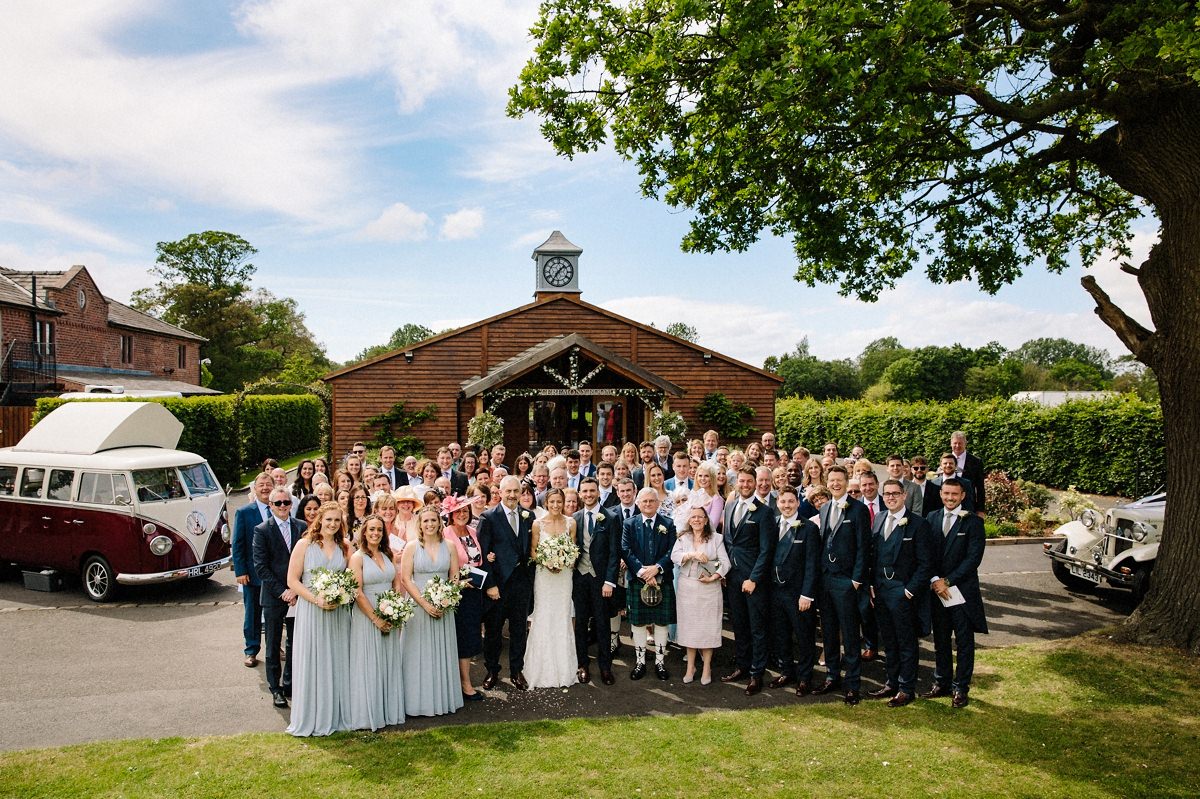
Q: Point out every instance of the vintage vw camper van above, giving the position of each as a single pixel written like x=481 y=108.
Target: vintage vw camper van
x=98 y=489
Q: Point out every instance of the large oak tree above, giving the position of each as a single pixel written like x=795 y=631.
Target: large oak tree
x=973 y=137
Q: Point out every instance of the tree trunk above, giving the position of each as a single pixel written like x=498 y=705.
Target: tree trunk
x=1157 y=157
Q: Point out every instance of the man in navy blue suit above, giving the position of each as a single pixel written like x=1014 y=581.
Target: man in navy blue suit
x=794 y=572
x=902 y=556
x=506 y=532
x=274 y=540
x=244 y=521
x=957 y=556
x=750 y=542
x=597 y=534
x=845 y=533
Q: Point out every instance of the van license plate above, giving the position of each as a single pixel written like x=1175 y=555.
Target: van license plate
x=202 y=571
x=1086 y=574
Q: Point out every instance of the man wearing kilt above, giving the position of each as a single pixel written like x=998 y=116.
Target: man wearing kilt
x=646 y=543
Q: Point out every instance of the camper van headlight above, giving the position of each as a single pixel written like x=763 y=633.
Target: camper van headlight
x=161 y=545
x=225 y=533
x=1089 y=518
x=1141 y=530
x=149 y=529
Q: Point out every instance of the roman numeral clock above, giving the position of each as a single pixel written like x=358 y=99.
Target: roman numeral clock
x=557 y=266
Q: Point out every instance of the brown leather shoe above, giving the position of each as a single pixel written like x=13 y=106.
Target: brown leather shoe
x=735 y=675
x=780 y=681
x=518 y=681
x=251 y=661
x=489 y=682
x=868 y=655
x=936 y=692
x=754 y=686
x=802 y=688
x=607 y=677
x=959 y=700
x=900 y=700
x=583 y=675
x=882 y=693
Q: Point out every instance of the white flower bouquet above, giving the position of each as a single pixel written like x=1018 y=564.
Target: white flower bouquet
x=334 y=588
x=556 y=553
x=442 y=593
x=395 y=608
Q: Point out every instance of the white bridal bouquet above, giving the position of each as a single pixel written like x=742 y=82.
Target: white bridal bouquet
x=443 y=594
x=335 y=588
x=394 y=608
x=556 y=553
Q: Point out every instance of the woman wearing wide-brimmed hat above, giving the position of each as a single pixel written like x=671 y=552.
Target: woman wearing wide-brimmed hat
x=408 y=502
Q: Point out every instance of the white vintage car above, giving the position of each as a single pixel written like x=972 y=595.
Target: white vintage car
x=1119 y=547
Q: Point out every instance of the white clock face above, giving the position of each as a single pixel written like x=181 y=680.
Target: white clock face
x=558 y=271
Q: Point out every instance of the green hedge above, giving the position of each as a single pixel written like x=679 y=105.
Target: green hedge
x=1105 y=447
x=230 y=437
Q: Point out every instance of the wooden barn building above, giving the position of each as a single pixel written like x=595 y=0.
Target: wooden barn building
x=558 y=370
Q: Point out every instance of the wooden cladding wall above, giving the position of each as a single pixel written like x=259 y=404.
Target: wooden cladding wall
x=15 y=422
x=440 y=367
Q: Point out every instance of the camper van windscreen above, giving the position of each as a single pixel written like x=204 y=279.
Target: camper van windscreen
x=199 y=479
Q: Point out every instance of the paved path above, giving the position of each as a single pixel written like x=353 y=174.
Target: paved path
x=167 y=661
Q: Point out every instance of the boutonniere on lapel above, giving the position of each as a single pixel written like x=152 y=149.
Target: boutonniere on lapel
x=959 y=512
x=843 y=505
x=795 y=523
x=903 y=521
x=599 y=517
x=751 y=507
x=662 y=529
x=524 y=514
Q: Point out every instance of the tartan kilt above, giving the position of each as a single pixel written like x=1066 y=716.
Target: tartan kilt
x=639 y=614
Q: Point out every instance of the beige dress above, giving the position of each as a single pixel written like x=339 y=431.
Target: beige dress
x=699 y=606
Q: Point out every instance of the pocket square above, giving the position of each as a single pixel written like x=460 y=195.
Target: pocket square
x=902 y=540
x=960 y=535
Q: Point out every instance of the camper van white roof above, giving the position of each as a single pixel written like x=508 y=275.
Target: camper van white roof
x=85 y=428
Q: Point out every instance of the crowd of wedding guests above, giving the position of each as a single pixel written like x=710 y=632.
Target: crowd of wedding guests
x=670 y=542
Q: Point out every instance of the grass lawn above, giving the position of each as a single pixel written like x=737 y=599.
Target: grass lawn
x=287 y=463
x=1078 y=718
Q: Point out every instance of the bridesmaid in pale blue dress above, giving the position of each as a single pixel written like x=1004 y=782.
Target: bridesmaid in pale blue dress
x=321 y=652
x=429 y=643
x=376 y=694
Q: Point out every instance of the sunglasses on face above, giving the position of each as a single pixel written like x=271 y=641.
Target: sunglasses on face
x=282 y=503
x=854 y=492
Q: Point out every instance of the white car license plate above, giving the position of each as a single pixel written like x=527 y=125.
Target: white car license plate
x=1086 y=574
x=202 y=571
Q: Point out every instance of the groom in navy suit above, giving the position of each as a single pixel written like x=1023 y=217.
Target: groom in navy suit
x=597 y=534
x=274 y=541
x=956 y=560
x=244 y=521
x=750 y=541
x=505 y=540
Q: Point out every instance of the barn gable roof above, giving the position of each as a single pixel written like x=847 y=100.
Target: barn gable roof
x=546 y=300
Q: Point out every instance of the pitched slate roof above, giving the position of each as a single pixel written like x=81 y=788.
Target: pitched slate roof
x=121 y=315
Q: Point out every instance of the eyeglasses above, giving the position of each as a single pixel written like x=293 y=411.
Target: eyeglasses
x=282 y=503
x=893 y=493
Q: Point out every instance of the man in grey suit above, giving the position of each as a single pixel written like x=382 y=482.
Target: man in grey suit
x=913 y=499
x=274 y=541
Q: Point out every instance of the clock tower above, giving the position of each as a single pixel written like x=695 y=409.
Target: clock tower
x=557 y=266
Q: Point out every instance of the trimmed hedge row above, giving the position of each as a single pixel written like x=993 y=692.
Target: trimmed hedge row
x=1112 y=446
x=230 y=436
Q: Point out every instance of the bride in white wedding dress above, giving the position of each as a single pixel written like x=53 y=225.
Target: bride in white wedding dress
x=550 y=650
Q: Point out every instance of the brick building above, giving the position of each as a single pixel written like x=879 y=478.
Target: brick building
x=58 y=332
x=556 y=370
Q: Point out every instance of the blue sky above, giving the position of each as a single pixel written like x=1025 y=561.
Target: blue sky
x=362 y=147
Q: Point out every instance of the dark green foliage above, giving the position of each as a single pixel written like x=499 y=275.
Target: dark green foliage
x=730 y=419
x=390 y=428
x=806 y=376
x=230 y=436
x=1106 y=447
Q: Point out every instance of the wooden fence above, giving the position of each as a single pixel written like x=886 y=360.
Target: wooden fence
x=15 y=422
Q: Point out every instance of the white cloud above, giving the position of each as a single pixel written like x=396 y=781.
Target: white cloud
x=398 y=222
x=463 y=224
x=1123 y=288
x=27 y=211
x=530 y=240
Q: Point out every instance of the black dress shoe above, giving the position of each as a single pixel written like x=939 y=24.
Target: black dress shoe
x=489 y=682
x=779 y=681
x=851 y=698
x=960 y=699
x=614 y=643
x=900 y=700
x=827 y=686
x=882 y=693
x=802 y=688
x=639 y=671
x=583 y=675
x=754 y=686
x=278 y=699
x=936 y=692
x=607 y=677
x=661 y=671
x=475 y=697
x=518 y=681
x=735 y=675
